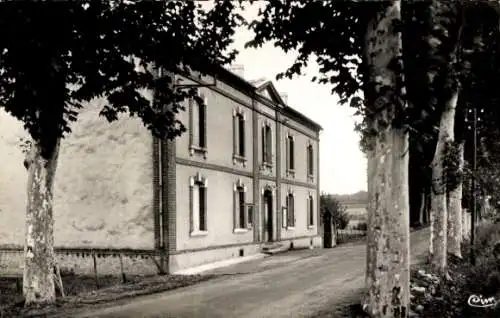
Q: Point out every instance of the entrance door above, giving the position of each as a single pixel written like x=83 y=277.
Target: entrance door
x=268 y=216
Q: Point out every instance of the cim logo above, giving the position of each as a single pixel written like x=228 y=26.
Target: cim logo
x=479 y=301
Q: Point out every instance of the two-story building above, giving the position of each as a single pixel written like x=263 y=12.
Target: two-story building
x=244 y=175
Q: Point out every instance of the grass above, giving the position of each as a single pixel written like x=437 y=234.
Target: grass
x=82 y=292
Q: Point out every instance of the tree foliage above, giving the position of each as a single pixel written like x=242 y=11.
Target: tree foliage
x=338 y=212
x=332 y=32
x=57 y=57
x=54 y=57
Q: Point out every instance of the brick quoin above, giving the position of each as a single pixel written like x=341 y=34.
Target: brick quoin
x=170 y=193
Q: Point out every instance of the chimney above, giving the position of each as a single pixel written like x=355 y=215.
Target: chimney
x=284 y=97
x=238 y=69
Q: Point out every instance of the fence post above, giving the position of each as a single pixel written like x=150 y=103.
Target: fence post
x=95 y=270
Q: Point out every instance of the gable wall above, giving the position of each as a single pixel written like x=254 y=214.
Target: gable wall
x=103 y=187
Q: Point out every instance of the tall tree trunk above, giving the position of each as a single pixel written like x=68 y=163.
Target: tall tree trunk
x=38 y=278
x=455 y=211
x=439 y=211
x=387 y=267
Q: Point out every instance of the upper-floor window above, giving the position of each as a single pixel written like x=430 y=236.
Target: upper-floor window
x=290 y=153
x=310 y=211
x=267 y=144
x=310 y=160
x=239 y=134
x=198 y=121
x=198 y=210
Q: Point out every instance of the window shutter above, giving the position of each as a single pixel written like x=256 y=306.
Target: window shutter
x=308 y=209
x=287 y=151
x=241 y=209
x=264 y=148
x=242 y=135
x=235 y=208
x=249 y=216
x=289 y=221
x=202 y=122
x=191 y=122
x=310 y=160
x=203 y=208
x=292 y=154
x=235 y=135
x=291 y=212
x=269 y=145
x=284 y=216
x=192 y=207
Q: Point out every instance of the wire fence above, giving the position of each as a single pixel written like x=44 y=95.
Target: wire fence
x=351 y=233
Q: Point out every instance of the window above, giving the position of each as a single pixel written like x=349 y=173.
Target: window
x=250 y=215
x=239 y=134
x=310 y=211
x=284 y=218
x=202 y=117
x=267 y=144
x=243 y=213
x=290 y=153
x=198 y=121
x=198 y=215
x=310 y=160
x=290 y=205
x=241 y=209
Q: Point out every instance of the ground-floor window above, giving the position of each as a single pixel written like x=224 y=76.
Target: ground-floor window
x=290 y=207
x=284 y=218
x=243 y=213
x=198 y=198
x=310 y=211
x=250 y=215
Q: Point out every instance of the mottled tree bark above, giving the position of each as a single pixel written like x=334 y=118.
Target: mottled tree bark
x=38 y=279
x=455 y=212
x=439 y=212
x=387 y=268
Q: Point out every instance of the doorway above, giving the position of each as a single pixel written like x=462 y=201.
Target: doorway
x=268 y=215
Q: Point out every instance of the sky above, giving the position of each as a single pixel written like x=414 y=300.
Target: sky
x=342 y=164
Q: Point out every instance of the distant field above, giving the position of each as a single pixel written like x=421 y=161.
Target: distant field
x=355 y=205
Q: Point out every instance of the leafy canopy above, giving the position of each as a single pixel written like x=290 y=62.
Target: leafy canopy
x=332 y=32
x=331 y=207
x=55 y=57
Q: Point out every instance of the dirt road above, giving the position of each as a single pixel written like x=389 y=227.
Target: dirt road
x=295 y=284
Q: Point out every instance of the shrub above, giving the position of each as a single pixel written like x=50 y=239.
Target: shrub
x=342 y=220
x=362 y=226
x=329 y=205
x=482 y=279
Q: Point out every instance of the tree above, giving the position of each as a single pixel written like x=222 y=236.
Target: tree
x=443 y=42
x=331 y=205
x=338 y=36
x=450 y=31
x=475 y=52
x=54 y=58
x=358 y=48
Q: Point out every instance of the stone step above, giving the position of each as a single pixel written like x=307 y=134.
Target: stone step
x=274 y=248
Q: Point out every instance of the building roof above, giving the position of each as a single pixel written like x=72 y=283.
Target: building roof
x=258 y=82
x=266 y=89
